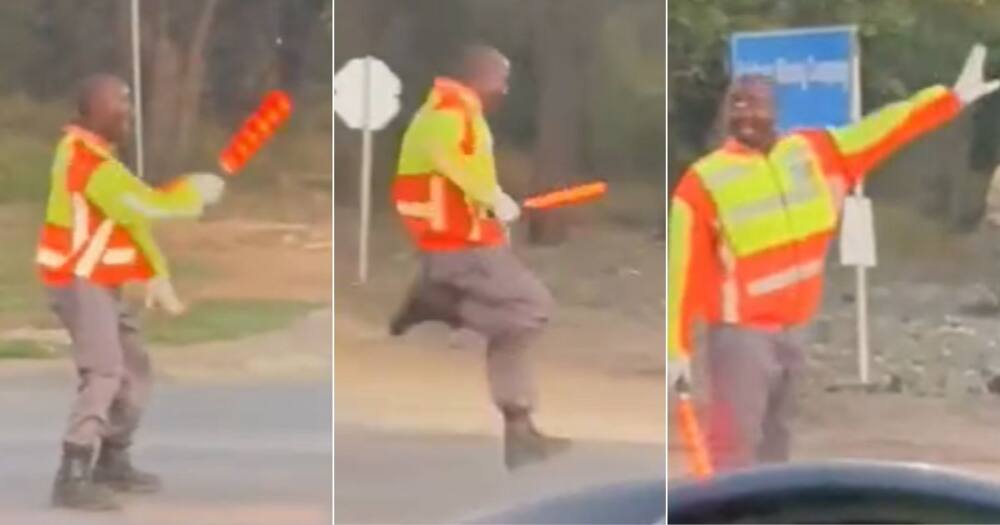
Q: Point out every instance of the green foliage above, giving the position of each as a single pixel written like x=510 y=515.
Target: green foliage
x=626 y=102
x=18 y=349
x=25 y=156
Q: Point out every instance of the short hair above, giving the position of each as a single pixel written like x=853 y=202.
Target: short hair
x=88 y=89
x=750 y=79
x=466 y=60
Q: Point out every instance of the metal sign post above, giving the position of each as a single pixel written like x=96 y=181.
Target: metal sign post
x=366 y=172
x=861 y=278
x=366 y=98
x=137 y=89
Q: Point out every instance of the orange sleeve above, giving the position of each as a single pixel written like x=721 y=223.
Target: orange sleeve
x=876 y=137
x=690 y=252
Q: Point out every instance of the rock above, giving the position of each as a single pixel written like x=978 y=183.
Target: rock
x=979 y=301
x=993 y=384
x=894 y=384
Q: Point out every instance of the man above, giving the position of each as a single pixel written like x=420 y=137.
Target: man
x=749 y=228
x=97 y=238
x=445 y=191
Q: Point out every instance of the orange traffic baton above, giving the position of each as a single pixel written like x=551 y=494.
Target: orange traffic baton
x=568 y=196
x=256 y=130
x=691 y=435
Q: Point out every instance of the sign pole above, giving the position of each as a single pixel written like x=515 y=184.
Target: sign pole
x=859 y=191
x=137 y=90
x=366 y=172
x=366 y=98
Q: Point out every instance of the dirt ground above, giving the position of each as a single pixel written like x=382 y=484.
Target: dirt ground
x=246 y=254
x=602 y=348
x=423 y=400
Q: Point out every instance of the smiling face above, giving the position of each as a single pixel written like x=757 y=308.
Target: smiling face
x=750 y=112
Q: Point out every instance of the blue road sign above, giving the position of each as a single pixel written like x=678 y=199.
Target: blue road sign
x=813 y=70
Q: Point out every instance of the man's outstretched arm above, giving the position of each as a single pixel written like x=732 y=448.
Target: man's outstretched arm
x=879 y=135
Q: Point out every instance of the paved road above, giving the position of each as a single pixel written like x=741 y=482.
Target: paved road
x=229 y=455
x=397 y=477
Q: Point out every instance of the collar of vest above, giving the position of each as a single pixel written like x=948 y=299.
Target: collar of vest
x=92 y=140
x=736 y=147
x=448 y=90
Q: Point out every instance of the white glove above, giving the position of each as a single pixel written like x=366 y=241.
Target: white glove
x=208 y=185
x=160 y=293
x=678 y=370
x=504 y=207
x=971 y=85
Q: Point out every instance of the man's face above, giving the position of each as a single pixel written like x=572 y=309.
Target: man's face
x=750 y=114
x=111 y=111
x=492 y=82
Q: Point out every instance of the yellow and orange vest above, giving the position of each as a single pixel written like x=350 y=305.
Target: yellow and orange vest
x=749 y=231
x=97 y=222
x=437 y=214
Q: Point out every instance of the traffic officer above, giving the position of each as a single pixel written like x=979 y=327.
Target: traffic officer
x=96 y=238
x=446 y=193
x=749 y=229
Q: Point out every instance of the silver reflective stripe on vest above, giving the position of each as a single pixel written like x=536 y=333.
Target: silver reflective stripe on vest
x=49 y=258
x=92 y=254
x=785 y=278
x=730 y=289
x=431 y=210
x=717 y=179
x=801 y=190
x=81 y=220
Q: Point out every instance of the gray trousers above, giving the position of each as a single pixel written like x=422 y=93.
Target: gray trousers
x=499 y=298
x=753 y=375
x=111 y=363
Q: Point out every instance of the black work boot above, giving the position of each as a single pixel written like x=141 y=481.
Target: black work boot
x=426 y=303
x=114 y=469
x=74 y=487
x=523 y=444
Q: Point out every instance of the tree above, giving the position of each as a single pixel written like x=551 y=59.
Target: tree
x=175 y=60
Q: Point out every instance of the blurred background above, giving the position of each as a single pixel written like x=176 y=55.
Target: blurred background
x=933 y=299
x=242 y=403
x=586 y=102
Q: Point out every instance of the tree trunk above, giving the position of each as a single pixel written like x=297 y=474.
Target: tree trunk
x=194 y=74
x=557 y=150
x=176 y=74
x=162 y=63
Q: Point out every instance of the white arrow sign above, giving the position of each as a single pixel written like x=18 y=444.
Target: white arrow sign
x=366 y=97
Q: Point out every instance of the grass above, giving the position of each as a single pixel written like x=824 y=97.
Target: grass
x=22 y=300
x=206 y=322
x=218 y=320
x=17 y=349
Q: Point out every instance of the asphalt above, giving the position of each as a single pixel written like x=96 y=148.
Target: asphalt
x=228 y=454
x=391 y=476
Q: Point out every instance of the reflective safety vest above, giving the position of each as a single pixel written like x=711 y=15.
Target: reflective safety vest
x=749 y=231
x=441 y=214
x=97 y=219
